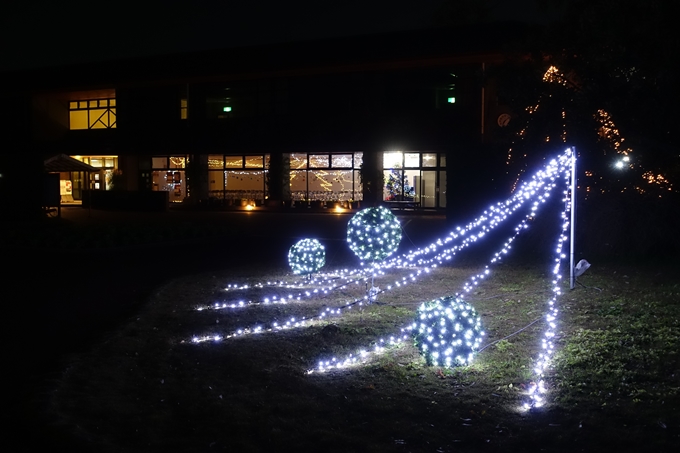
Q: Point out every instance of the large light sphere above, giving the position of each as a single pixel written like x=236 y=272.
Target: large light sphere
x=447 y=332
x=373 y=234
x=306 y=256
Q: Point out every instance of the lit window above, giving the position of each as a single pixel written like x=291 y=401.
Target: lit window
x=298 y=161
x=319 y=161
x=233 y=161
x=358 y=160
x=215 y=161
x=183 y=109
x=429 y=160
x=341 y=160
x=177 y=162
x=159 y=162
x=393 y=159
x=92 y=114
x=254 y=162
x=412 y=160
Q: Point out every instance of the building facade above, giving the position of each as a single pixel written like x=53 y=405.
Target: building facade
x=395 y=118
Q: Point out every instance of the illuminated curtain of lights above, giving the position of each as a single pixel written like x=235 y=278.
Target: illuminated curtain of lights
x=325 y=177
x=235 y=178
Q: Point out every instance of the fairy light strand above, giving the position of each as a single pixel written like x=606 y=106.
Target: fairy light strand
x=532 y=190
x=362 y=355
x=537 y=389
x=494 y=216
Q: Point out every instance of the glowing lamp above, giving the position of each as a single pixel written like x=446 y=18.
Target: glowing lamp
x=624 y=162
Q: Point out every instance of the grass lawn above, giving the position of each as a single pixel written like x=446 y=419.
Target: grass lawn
x=615 y=383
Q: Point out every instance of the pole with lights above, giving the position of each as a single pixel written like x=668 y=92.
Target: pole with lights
x=572 y=276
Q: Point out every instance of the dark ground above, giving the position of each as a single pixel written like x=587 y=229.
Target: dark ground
x=61 y=301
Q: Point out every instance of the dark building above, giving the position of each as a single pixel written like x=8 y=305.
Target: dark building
x=404 y=118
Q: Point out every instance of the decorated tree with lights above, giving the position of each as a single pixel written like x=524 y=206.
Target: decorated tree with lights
x=599 y=78
x=397 y=186
x=306 y=257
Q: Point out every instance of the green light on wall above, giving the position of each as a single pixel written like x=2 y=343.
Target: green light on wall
x=226 y=109
x=451 y=100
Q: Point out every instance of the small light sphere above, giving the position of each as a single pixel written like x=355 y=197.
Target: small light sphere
x=439 y=335
x=373 y=234
x=306 y=256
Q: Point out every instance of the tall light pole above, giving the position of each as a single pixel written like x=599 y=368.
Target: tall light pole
x=572 y=277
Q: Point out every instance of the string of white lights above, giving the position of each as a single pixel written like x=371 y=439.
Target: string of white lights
x=296 y=322
x=539 y=181
x=347 y=276
x=494 y=216
x=364 y=354
x=537 y=388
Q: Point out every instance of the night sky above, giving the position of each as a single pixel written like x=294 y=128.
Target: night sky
x=45 y=33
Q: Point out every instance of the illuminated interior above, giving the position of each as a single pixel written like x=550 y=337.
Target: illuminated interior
x=411 y=177
x=168 y=174
x=92 y=110
x=73 y=183
x=414 y=177
x=237 y=179
x=183 y=109
x=325 y=177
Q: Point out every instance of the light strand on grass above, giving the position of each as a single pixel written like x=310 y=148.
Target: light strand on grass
x=537 y=389
x=495 y=215
x=276 y=299
x=297 y=322
x=492 y=217
x=554 y=168
x=361 y=356
x=469 y=285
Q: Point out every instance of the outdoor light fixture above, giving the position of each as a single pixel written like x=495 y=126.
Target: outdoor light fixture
x=581 y=267
x=625 y=160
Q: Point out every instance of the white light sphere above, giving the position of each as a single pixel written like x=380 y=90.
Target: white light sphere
x=306 y=256
x=447 y=332
x=373 y=234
